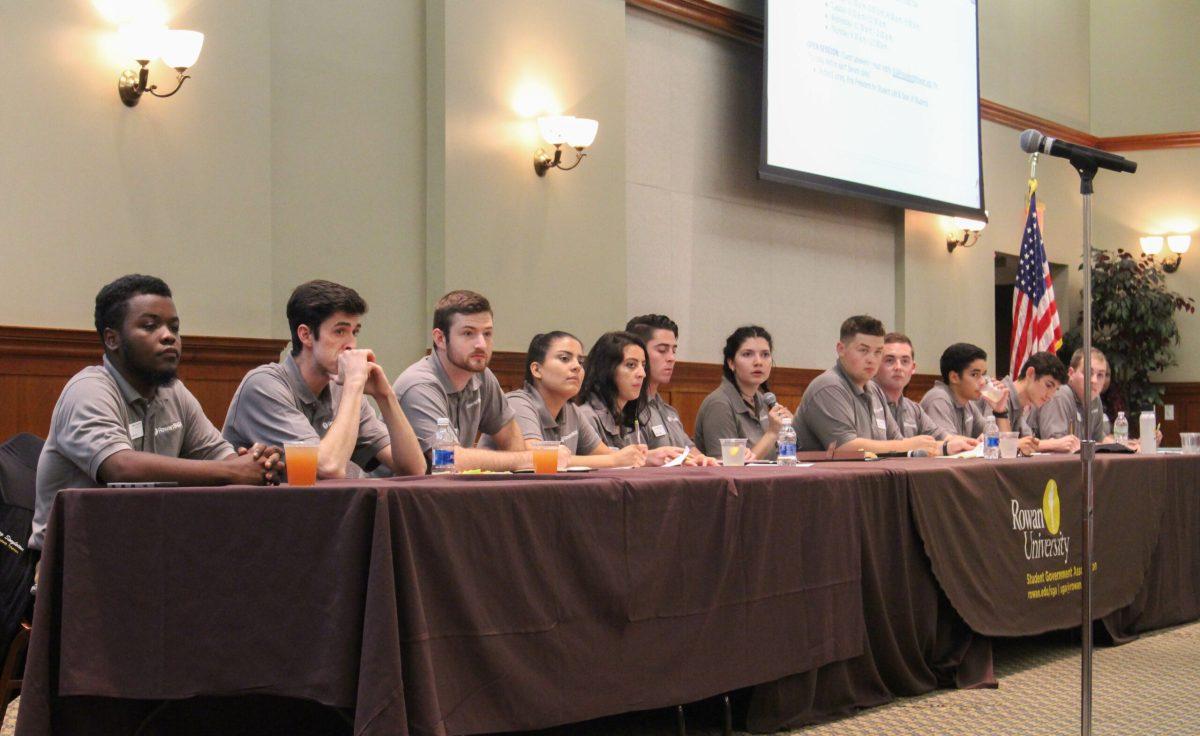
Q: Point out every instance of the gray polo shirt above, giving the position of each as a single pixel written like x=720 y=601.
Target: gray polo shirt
x=536 y=423
x=596 y=415
x=662 y=425
x=725 y=414
x=99 y=414
x=913 y=420
x=274 y=405
x=968 y=420
x=834 y=411
x=426 y=395
x=1063 y=415
x=1017 y=416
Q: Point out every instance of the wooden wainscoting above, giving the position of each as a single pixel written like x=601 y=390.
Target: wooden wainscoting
x=35 y=364
x=1186 y=399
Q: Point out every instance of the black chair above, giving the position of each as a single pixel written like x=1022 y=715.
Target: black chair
x=18 y=471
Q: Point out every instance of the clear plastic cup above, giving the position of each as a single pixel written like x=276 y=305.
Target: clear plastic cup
x=300 y=460
x=733 y=452
x=1190 y=442
x=545 y=456
x=1008 y=443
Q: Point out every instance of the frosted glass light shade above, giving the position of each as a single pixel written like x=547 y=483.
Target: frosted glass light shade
x=181 y=49
x=142 y=42
x=581 y=132
x=963 y=223
x=1179 y=243
x=1152 y=245
x=554 y=128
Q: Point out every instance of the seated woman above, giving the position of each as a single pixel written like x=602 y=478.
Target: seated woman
x=737 y=408
x=543 y=408
x=614 y=394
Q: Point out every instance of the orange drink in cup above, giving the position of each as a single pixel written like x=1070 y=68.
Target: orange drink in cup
x=301 y=462
x=545 y=456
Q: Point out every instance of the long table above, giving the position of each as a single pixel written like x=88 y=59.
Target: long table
x=473 y=604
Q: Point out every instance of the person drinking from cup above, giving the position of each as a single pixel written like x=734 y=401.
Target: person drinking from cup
x=739 y=407
x=544 y=410
x=315 y=396
x=961 y=401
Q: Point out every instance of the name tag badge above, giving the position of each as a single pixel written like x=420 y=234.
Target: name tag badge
x=136 y=431
x=882 y=424
x=659 y=430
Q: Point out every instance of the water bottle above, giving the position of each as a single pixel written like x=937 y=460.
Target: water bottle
x=1121 y=428
x=787 y=443
x=991 y=440
x=1147 y=435
x=444 y=441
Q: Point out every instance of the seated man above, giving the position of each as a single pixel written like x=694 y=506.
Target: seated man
x=899 y=365
x=662 y=429
x=954 y=402
x=131 y=419
x=842 y=408
x=315 y=394
x=454 y=382
x=1040 y=377
x=1058 y=424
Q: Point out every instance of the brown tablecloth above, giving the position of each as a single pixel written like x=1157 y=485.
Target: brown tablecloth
x=445 y=605
x=948 y=559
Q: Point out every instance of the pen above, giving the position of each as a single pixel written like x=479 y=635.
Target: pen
x=637 y=432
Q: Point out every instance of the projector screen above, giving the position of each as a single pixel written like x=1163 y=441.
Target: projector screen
x=876 y=99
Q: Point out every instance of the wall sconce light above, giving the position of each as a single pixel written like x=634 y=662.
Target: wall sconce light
x=1152 y=245
x=965 y=233
x=178 y=49
x=578 y=133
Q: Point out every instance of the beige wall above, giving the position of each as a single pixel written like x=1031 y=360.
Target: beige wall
x=1144 y=61
x=347 y=144
x=712 y=245
x=179 y=188
x=548 y=252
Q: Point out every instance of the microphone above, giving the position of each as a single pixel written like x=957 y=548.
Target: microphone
x=1034 y=142
x=769 y=399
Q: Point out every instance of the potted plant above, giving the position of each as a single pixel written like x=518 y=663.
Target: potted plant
x=1133 y=323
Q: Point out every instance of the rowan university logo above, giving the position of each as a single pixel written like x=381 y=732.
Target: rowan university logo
x=1041 y=527
x=1051 y=508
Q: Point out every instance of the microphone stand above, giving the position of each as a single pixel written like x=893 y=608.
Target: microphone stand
x=1086 y=168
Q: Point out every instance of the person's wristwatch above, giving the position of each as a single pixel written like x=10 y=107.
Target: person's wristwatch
x=1000 y=414
x=945 y=447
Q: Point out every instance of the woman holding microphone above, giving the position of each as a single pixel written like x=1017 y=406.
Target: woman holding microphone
x=740 y=407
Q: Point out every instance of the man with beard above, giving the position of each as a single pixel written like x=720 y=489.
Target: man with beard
x=662 y=429
x=454 y=382
x=130 y=419
x=317 y=393
x=844 y=409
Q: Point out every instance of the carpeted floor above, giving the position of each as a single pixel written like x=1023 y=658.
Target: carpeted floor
x=1151 y=686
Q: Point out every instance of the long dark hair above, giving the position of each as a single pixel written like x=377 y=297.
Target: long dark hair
x=602 y=362
x=539 y=346
x=733 y=343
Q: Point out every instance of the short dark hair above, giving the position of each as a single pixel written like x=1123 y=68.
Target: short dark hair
x=112 y=302
x=539 y=346
x=958 y=356
x=1077 y=357
x=644 y=325
x=861 y=324
x=602 y=362
x=899 y=337
x=312 y=302
x=1045 y=364
x=734 y=342
x=460 y=301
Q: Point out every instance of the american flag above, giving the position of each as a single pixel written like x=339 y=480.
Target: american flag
x=1035 y=325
